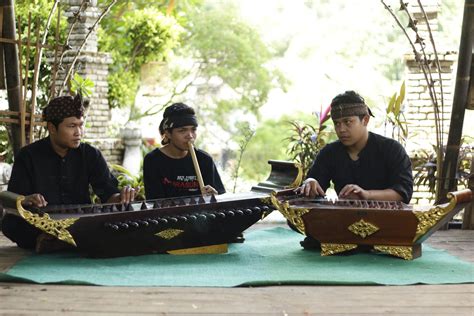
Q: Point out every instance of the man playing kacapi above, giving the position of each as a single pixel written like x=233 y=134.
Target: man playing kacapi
x=58 y=170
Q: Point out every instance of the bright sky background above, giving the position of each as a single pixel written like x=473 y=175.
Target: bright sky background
x=314 y=61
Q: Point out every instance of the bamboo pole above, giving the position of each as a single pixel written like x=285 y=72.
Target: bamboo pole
x=27 y=68
x=196 y=167
x=11 y=68
x=35 y=81
x=54 y=74
x=22 y=88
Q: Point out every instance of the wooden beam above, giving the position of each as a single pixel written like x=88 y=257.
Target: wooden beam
x=17 y=113
x=17 y=121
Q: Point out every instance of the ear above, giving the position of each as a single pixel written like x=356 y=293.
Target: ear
x=167 y=133
x=366 y=120
x=51 y=128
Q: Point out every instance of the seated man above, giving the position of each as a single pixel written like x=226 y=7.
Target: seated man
x=361 y=164
x=58 y=170
x=168 y=171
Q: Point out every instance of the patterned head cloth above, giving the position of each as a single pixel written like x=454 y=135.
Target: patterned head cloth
x=62 y=107
x=352 y=109
x=176 y=121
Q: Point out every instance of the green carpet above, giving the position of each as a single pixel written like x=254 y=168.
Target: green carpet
x=268 y=257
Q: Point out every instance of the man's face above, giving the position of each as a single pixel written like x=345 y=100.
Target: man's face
x=181 y=136
x=69 y=133
x=351 y=129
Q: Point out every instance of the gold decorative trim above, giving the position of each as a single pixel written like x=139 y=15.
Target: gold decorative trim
x=428 y=219
x=213 y=249
x=405 y=252
x=267 y=201
x=362 y=228
x=299 y=177
x=292 y=214
x=331 y=249
x=169 y=233
x=56 y=228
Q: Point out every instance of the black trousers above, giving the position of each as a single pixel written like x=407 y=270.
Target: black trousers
x=18 y=230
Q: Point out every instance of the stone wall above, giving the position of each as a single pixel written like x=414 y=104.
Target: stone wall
x=419 y=111
x=111 y=148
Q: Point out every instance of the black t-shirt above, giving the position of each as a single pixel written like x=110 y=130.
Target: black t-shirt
x=169 y=177
x=382 y=164
x=39 y=169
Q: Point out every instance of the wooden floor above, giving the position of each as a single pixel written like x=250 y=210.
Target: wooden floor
x=28 y=299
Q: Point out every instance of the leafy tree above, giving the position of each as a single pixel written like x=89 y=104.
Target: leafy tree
x=277 y=139
x=225 y=61
x=139 y=37
x=232 y=61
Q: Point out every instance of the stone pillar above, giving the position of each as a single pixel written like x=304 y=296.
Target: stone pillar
x=419 y=110
x=132 y=139
x=91 y=64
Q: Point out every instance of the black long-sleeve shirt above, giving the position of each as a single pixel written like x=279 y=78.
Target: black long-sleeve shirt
x=383 y=164
x=62 y=180
x=169 y=177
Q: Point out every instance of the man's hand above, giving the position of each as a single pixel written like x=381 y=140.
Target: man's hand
x=353 y=191
x=208 y=190
x=36 y=200
x=127 y=194
x=311 y=188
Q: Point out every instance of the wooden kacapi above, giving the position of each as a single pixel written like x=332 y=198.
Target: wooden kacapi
x=181 y=225
x=389 y=227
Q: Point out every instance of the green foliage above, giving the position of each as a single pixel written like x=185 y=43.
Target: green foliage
x=231 y=53
x=136 y=38
x=425 y=165
x=123 y=87
x=396 y=117
x=267 y=143
x=271 y=141
x=82 y=86
x=245 y=134
x=6 y=150
x=39 y=10
x=125 y=178
x=306 y=141
x=152 y=36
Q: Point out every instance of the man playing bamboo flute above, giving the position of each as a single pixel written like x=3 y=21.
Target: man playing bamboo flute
x=168 y=171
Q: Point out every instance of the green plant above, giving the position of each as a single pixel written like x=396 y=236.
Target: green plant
x=136 y=37
x=125 y=178
x=81 y=85
x=6 y=150
x=307 y=140
x=425 y=166
x=246 y=133
x=395 y=117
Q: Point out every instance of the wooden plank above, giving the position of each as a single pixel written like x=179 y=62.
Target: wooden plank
x=457 y=299
x=430 y=299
